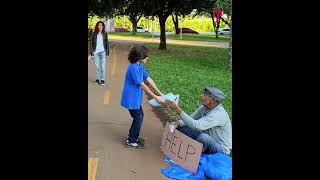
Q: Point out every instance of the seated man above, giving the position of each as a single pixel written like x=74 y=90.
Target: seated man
x=209 y=124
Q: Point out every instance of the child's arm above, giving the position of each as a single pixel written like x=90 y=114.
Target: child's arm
x=146 y=89
x=154 y=86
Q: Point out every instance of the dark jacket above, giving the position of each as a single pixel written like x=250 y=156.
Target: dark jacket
x=94 y=43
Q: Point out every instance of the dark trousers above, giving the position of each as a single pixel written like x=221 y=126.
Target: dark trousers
x=210 y=146
x=137 y=115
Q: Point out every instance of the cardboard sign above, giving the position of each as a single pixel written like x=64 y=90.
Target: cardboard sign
x=182 y=149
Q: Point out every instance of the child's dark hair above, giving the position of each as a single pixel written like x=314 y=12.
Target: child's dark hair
x=137 y=53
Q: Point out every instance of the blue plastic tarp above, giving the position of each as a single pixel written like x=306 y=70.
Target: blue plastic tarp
x=217 y=166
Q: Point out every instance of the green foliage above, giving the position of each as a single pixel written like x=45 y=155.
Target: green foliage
x=102 y=7
x=122 y=21
x=92 y=21
x=198 y=23
x=226 y=6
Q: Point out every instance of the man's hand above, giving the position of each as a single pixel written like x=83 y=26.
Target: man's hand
x=176 y=123
x=172 y=105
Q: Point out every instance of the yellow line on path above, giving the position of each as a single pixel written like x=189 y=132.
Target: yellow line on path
x=124 y=66
x=106 y=97
x=92 y=168
x=114 y=65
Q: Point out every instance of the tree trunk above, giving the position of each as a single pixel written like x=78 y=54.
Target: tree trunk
x=134 y=20
x=176 y=23
x=162 y=21
x=134 y=24
x=217 y=33
x=214 y=24
x=134 y=27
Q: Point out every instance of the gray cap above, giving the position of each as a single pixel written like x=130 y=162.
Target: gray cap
x=217 y=94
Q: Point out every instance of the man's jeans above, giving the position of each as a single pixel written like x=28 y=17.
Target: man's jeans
x=137 y=115
x=100 y=61
x=210 y=146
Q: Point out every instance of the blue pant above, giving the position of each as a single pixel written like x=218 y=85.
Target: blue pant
x=100 y=62
x=137 y=115
x=210 y=146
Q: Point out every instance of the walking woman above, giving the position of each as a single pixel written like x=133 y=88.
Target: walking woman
x=100 y=49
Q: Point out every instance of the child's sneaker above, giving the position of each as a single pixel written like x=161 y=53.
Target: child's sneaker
x=135 y=145
x=139 y=140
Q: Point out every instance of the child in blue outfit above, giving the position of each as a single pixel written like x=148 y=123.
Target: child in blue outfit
x=132 y=93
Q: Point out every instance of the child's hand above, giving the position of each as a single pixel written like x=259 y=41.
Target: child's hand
x=159 y=99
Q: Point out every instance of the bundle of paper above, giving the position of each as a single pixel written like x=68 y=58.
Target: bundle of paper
x=169 y=96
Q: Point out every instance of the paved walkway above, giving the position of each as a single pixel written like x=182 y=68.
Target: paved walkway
x=108 y=126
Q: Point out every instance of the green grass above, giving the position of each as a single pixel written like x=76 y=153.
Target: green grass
x=185 y=70
x=199 y=37
x=129 y=34
x=186 y=37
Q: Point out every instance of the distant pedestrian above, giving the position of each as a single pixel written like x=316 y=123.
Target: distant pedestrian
x=100 y=51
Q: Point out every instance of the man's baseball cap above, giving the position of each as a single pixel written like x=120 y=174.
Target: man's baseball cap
x=215 y=93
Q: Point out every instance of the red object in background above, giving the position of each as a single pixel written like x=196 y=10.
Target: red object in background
x=217 y=14
x=188 y=31
x=120 y=29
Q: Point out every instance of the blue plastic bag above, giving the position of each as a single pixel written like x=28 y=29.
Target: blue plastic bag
x=169 y=96
x=177 y=172
x=217 y=166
